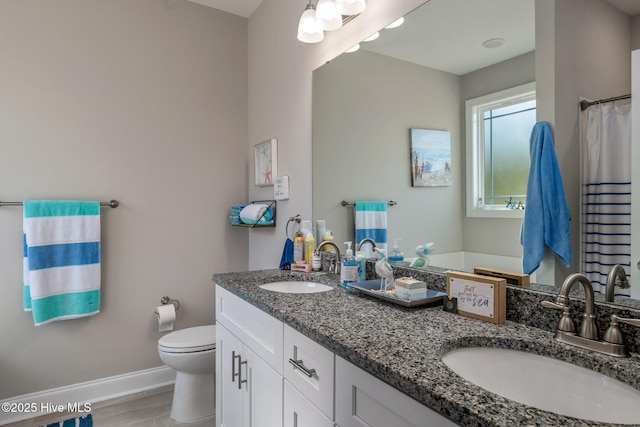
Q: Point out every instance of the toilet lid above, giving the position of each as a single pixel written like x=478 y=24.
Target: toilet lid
x=198 y=338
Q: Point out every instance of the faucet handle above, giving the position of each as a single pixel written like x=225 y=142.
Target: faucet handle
x=566 y=323
x=614 y=334
x=553 y=305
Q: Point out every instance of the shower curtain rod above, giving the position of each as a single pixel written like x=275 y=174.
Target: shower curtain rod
x=586 y=104
x=111 y=204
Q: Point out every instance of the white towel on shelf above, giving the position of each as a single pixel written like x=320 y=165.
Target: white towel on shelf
x=256 y=213
x=371 y=221
x=62 y=259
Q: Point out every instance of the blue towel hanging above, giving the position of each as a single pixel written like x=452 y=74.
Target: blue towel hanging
x=546 y=217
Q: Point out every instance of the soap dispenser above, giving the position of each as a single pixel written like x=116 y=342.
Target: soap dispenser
x=349 y=268
x=396 y=255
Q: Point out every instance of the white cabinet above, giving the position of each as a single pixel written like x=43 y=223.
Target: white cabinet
x=363 y=400
x=249 y=389
x=270 y=375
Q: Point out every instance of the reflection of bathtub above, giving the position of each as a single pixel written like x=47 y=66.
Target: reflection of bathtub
x=466 y=261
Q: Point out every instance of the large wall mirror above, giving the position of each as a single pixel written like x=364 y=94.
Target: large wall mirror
x=418 y=76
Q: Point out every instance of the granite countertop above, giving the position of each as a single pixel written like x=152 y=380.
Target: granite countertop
x=403 y=346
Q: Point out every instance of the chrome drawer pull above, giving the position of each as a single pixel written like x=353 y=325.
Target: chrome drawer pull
x=240 y=380
x=298 y=365
x=234 y=374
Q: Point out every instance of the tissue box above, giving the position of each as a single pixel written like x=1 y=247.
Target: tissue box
x=410 y=289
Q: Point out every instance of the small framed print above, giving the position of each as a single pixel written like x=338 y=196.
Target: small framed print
x=266 y=162
x=430 y=158
x=479 y=297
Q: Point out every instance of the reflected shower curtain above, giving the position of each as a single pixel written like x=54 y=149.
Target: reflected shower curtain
x=605 y=140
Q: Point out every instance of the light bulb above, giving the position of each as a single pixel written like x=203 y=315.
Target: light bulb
x=308 y=29
x=395 y=23
x=328 y=16
x=350 y=7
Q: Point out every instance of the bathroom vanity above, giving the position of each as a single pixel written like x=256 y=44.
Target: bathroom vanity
x=340 y=358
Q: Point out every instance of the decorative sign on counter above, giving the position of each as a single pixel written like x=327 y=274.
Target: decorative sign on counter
x=480 y=297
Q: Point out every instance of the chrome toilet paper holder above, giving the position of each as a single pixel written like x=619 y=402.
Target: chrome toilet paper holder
x=166 y=300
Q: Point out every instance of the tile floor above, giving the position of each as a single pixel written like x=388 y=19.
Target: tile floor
x=146 y=409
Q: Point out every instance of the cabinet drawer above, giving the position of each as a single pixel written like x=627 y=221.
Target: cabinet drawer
x=309 y=367
x=260 y=332
x=364 y=400
x=299 y=412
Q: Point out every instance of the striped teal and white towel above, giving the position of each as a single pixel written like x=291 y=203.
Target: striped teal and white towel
x=62 y=259
x=371 y=221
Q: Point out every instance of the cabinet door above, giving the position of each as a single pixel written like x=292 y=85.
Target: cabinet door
x=299 y=412
x=228 y=395
x=255 y=328
x=263 y=392
x=363 y=400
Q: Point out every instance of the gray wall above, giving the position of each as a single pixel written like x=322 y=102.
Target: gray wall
x=635 y=32
x=142 y=101
x=364 y=104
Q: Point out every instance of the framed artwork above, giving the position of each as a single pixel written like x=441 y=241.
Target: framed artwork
x=266 y=162
x=430 y=158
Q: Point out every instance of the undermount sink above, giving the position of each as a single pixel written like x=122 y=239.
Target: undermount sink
x=296 y=287
x=546 y=383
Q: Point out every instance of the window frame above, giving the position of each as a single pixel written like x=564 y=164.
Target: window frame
x=475 y=149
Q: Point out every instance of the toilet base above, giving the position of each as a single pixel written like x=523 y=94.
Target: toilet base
x=193 y=397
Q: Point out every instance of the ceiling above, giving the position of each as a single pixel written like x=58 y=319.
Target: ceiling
x=630 y=7
x=242 y=8
x=246 y=7
x=437 y=35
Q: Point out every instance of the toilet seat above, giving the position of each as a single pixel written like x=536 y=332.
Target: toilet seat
x=190 y=340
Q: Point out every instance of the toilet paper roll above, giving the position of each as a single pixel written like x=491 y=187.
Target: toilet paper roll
x=166 y=317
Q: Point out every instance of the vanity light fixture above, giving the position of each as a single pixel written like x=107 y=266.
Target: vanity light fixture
x=328 y=16
x=353 y=48
x=309 y=30
x=395 y=23
x=350 y=7
x=372 y=37
x=493 y=43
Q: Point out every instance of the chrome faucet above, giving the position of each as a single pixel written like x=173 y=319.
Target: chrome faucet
x=336 y=268
x=365 y=240
x=588 y=328
x=612 y=343
x=616 y=273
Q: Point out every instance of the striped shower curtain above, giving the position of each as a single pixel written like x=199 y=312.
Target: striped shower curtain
x=605 y=140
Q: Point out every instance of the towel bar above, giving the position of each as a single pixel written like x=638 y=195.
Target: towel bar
x=111 y=204
x=345 y=203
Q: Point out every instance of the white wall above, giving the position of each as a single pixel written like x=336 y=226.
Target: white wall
x=142 y=101
x=280 y=101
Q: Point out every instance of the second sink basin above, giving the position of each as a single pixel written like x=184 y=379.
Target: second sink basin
x=548 y=384
x=296 y=287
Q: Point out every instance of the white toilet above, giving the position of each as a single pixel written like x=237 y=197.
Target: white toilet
x=192 y=353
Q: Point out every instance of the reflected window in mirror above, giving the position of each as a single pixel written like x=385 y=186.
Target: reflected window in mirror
x=498 y=130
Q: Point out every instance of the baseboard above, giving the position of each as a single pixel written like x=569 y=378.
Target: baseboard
x=76 y=395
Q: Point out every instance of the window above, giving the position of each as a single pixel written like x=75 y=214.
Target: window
x=498 y=131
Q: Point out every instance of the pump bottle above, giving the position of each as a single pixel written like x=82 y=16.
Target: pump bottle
x=396 y=255
x=349 y=268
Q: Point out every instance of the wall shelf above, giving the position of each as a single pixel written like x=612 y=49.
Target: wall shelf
x=271 y=208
